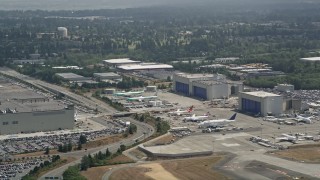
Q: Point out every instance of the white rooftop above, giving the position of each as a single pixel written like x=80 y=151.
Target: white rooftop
x=145 y=66
x=311 y=59
x=191 y=76
x=106 y=74
x=261 y=94
x=120 y=61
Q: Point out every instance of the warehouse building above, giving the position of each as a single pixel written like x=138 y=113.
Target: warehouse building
x=72 y=77
x=119 y=62
x=107 y=76
x=24 y=111
x=144 y=67
x=261 y=102
x=205 y=86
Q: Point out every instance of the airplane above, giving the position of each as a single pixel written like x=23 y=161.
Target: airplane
x=306 y=120
x=195 y=118
x=287 y=137
x=140 y=98
x=217 y=123
x=179 y=112
x=128 y=93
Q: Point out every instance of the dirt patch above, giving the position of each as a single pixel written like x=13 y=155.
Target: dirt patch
x=121 y=159
x=132 y=173
x=95 y=172
x=156 y=171
x=194 y=168
x=308 y=155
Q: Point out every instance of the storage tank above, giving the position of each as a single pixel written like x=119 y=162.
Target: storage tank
x=63 y=32
x=151 y=88
x=109 y=91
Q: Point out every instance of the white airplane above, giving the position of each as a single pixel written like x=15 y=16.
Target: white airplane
x=306 y=120
x=195 y=118
x=140 y=98
x=179 y=112
x=128 y=93
x=287 y=137
x=217 y=123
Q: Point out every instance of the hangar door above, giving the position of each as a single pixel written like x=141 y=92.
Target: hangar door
x=182 y=88
x=251 y=106
x=200 y=92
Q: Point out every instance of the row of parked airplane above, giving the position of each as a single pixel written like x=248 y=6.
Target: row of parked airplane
x=203 y=123
x=297 y=118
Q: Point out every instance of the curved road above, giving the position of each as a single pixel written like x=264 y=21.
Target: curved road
x=143 y=130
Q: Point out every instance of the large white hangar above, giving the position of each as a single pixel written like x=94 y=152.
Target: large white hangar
x=260 y=102
x=24 y=111
x=205 y=86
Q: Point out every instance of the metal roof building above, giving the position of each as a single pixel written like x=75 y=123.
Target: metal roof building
x=260 y=102
x=118 y=62
x=72 y=77
x=24 y=110
x=145 y=66
x=205 y=86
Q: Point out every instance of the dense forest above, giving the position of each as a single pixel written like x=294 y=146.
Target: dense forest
x=278 y=33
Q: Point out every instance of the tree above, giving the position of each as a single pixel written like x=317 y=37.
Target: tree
x=85 y=163
x=83 y=139
x=47 y=150
x=108 y=153
x=69 y=146
x=72 y=173
x=79 y=146
x=122 y=147
x=60 y=148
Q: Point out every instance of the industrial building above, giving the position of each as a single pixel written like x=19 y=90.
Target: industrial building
x=144 y=66
x=72 y=77
x=107 y=76
x=119 y=62
x=261 y=102
x=205 y=86
x=24 y=111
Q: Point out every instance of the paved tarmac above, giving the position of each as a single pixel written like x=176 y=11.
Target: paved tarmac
x=245 y=151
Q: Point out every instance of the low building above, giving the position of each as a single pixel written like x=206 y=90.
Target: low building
x=72 y=77
x=261 y=102
x=107 y=76
x=119 y=62
x=145 y=66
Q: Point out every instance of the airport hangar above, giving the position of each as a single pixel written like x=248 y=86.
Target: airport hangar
x=205 y=86
x=260 y=102
x=24 y=111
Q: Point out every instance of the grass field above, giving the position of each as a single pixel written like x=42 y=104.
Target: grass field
x=193 y=168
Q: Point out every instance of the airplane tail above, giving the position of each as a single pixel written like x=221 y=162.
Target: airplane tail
x=190 y=109
x=233 y=117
